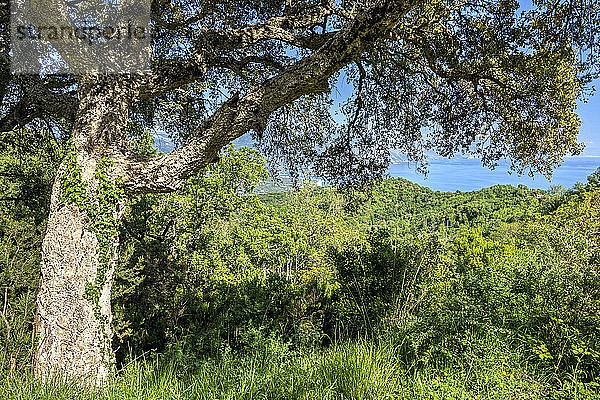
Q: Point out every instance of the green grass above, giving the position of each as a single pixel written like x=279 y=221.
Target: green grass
x=352 y=371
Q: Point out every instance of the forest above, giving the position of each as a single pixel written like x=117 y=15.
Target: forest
x=390 y=290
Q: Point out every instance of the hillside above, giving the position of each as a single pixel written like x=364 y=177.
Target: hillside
x=401 y=205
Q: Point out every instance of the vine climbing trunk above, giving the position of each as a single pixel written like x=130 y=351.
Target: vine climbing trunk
x=72 y=339
x=79 y=251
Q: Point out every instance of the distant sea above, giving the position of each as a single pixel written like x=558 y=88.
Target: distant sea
x=464 y=174
x=450 y=175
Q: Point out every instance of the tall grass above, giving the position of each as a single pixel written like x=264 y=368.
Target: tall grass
x=361 y=370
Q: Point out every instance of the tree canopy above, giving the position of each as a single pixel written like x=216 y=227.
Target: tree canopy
x=490 y=78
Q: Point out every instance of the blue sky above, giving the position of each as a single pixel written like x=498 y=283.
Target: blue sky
x=590 y=128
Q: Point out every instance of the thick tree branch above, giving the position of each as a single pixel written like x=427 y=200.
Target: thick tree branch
x=172 y=74
x=239 y=65
x=59 y=104
x=211 y=48
x=276 y=28
x=36 y=101
x=176 y=73
x=18 y=115
x=239 y=115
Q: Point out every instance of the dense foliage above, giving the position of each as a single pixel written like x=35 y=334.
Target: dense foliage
x=28 y=162
x=214 y=270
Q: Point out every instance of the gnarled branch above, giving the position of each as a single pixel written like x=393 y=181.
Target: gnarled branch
x=239 y=115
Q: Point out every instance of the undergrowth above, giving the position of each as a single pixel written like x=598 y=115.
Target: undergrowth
x=359 y=370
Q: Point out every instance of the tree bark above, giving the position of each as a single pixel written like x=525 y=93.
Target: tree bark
x=72 y=340
x=73 y=319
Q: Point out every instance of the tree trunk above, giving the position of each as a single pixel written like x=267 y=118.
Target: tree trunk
x=72 y=339
x=73 y=319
